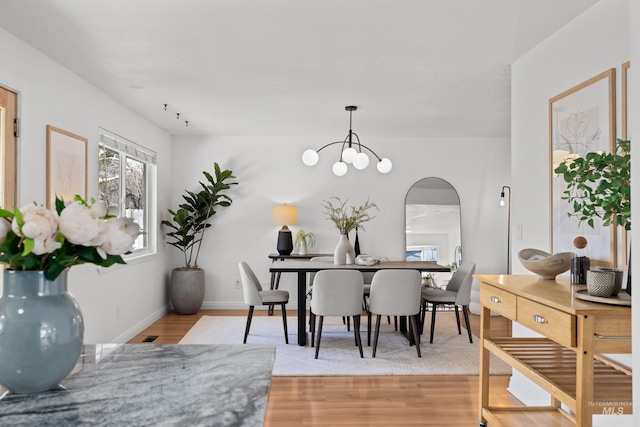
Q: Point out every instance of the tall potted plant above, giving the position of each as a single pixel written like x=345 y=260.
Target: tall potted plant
x=188 y=225
x=599 y=186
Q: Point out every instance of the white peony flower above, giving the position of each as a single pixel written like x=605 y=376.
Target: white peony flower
x=5 y=227
x=99 y=209
x=120 y=234
x=41 y=225
x=82 y=225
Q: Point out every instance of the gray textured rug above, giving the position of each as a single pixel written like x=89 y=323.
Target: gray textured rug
x=450 y=353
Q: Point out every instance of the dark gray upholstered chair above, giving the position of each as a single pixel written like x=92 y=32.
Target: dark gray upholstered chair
x=457 y=293
x=336 y=293
x=396 y=293
x=254 y=295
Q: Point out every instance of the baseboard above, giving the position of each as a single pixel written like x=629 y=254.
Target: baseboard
x=141 y=325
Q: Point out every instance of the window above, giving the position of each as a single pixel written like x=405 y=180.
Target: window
x=125 y=174
x=422 y=253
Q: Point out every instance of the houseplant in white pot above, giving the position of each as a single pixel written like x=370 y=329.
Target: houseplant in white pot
x=599 y=186
x=304 y=241
x=188 y=225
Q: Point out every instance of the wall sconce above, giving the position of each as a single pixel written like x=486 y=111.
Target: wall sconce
x=284 y=215
x=502 y=203
x=351 y=154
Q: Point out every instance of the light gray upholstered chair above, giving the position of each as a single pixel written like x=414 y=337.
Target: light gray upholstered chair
x=326 y=258
x=457 y=293
x=313 y=275
x=254 y=295
x=336 y=293
x=396 y=293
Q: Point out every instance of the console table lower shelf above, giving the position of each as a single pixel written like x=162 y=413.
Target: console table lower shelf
x=553 y=367
x=566 y=361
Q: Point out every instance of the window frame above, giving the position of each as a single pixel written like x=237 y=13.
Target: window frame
x=129 y=149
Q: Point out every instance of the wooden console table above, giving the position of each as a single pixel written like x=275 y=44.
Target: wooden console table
x=566 y=361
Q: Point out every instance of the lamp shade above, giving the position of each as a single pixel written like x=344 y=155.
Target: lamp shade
x=284 y=215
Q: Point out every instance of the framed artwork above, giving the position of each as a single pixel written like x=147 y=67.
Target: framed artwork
x=581 y=120
x=624 y=258
x=66 y=165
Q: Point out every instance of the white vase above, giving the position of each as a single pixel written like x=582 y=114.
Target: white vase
x=302 y=249
x=344 y=253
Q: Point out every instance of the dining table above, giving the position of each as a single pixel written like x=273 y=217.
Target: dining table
x=302 y=267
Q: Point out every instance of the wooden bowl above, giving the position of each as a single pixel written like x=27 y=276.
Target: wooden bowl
x=544 y=264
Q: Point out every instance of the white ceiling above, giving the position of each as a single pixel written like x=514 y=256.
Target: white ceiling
x=415 y=68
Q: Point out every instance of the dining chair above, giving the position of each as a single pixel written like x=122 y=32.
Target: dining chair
x=336 y=293
x=324 y=258
x=254 y=295
x=457 y=293
x=395 y=293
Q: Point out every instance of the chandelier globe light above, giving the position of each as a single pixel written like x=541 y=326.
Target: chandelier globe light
x=351 y=153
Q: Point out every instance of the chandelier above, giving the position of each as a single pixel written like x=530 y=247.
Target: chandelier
x=351 y=152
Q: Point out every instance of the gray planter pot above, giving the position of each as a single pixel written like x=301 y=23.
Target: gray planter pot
x=187 y=290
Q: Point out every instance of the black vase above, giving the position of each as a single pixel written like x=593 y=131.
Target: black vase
x=356 y=246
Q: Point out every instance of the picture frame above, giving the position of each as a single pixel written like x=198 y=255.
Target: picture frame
x=581 y=119
x=66 y=165
x=624 y=258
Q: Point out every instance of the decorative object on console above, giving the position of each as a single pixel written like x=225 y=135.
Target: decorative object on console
x=345 y=222
x=502 y=203
x=600 y=283
x=544 y=264
x=188 y=226
x=619 y=276
x=351 y=154
x=284 y=215
x=580 y=262
x=305 y=240
x=42 y=328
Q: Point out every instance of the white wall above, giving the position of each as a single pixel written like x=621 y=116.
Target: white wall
x=50 y=94
x=592 y=43
x=270 y=171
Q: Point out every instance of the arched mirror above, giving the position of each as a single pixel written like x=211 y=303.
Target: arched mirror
x=432 y=218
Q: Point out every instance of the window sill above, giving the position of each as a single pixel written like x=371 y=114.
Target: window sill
x=130 y=260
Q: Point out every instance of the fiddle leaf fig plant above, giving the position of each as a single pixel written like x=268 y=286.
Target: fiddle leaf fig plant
x=191 y=219
x=599 y=186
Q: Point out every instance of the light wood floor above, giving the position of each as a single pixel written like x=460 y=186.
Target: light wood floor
x=449 y=400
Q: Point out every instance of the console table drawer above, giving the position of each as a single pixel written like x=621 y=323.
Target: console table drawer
x=497 y=300
x=552 y=323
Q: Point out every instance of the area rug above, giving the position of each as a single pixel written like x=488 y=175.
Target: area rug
x=450 y=353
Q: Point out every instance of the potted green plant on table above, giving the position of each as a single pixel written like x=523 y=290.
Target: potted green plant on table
x=599 y=186
x=187 y=229
x=304 y=241
x=345 y=220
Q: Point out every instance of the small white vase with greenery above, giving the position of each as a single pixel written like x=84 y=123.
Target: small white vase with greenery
x=345 y=220
x=304 y=241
